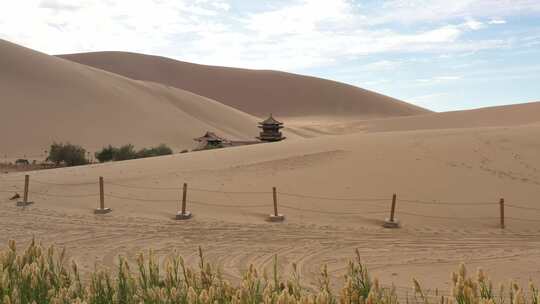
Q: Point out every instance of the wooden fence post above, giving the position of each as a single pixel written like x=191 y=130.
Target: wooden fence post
x=102 y=209
x=393 y=210
x=392 y=222
x=101 y=194
x=274 y=193
x=26 y=185
x=501 y=204
x=276 y=217
x=183 y=214
x=25 y=201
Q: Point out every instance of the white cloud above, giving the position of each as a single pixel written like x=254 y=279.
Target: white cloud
x=60 y=5
x=303 y=17
x=412 y=11
x=437 y=80
x=497 y=21
x=60 y=26
x=474 y=24
x=289 y=35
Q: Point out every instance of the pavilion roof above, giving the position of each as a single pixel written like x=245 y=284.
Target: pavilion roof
x=209 y=136
x=271 y=121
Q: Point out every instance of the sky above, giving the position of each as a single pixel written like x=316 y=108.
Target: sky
x=440 y=54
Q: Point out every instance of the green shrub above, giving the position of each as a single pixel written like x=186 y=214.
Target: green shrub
x=154 y=151
x=68 y=154
x=106 y=154
x=128 y=151
x=162 y=149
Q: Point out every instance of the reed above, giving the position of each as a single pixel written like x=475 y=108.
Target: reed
x=39 y=275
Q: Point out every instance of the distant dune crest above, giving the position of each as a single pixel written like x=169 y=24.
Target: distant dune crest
x=257 y=92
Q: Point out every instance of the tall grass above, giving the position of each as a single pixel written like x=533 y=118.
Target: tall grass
x=38 y=275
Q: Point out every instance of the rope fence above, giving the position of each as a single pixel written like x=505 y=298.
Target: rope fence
x=182 y=200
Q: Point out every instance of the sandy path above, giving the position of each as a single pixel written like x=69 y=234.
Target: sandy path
x=393 y=255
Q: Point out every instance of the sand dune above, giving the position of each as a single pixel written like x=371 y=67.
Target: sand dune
x=335 y=192
x=508 y=115
x=45 y=98
x=253 y=91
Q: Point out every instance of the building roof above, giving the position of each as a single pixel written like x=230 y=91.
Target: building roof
x=209 y=136
x=271 y=121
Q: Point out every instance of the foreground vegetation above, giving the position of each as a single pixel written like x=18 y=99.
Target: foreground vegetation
x=39 y=275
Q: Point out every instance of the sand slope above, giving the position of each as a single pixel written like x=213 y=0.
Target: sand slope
x=45 y=98
x=335 y=192
x=509 y=115
x=253 y=91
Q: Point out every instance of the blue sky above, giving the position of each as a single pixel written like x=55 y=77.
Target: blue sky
x=443 y=55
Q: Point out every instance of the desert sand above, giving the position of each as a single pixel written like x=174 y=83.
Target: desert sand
x=448 y=184
x=500 y=116
x=45 y=99
x=257 y=92
x=449 y=171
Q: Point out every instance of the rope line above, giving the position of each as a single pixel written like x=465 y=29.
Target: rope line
x=229 y=192
x=335 y=198
x=61 y=184
x=62 y=195
x=141 y=199
x=179 y=188
x=520 y=207
x=447 y=217
x=12 y=180
x=227 y=205
x=145 y=187
x=189 y=201
x=5 y=191
x=522 y=219
x=376 y=200
x=446 y=203
x=329 y=212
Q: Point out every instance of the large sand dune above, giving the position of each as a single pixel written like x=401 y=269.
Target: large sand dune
x=510 y=115
x=45 y=98
x=253 y=91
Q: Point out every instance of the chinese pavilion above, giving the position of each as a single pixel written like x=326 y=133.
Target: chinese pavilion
x=271 y=130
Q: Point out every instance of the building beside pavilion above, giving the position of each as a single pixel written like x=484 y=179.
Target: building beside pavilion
x=211 y=141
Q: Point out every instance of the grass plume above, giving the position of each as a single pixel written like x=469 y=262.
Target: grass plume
x=39 y=275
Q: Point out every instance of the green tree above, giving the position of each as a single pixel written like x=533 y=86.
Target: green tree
x=106 y=154
x=68 y=154
x=126 y=152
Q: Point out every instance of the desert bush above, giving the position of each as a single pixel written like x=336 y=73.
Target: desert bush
x=39 y=275
x=106 y=154
x=160 y=150
x=68 y=154
x=128 y=151
x=125 y=152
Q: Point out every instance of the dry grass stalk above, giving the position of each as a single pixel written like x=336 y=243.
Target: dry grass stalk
x=39 y=275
